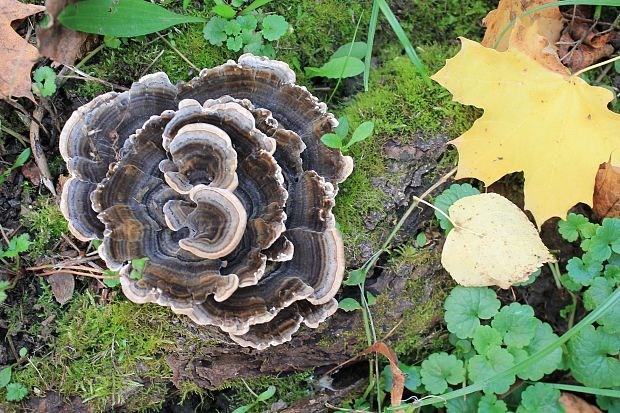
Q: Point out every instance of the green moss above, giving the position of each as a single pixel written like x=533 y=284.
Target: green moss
x=108 y=354
x=289 y=388
x=45 y=224
x=404 y=108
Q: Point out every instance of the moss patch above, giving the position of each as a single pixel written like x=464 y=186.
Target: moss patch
x=45 y=224
x=404 y=107
x=109 y=354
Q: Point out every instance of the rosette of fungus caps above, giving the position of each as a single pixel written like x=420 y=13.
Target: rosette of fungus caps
x=224 y=185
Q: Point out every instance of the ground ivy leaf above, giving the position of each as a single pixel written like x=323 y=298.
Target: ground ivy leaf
x=439 y=369
x=274 y=27
x=214 y=30
x=576 y=225
x=465 y=306
x=598 y=292
x=16 y=392
x=349 y=304
x=412 y=377
x=467 y=404
x=588 y=357
x=234 y=43
x=606 y=239
x=486 y=337
x=247 y=22
x=610 y=404
x=489 y=404
x=449 y=197
x=516 y=323
x=481 y=367
x=612 y=273
x=570 y=284
x=540 y=397
x=45 y=81
x=543 y=336
x=253 y=41
x=583 y=272
x=232 y=28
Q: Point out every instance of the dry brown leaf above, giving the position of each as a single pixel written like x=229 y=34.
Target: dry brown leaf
x=527 y=38
x=606 y=200
x=56 y=41
x=32 y=173
x=582 y=56
x=17 y=56
x=493 y=243
x=62 y=285
x=398 y=378
x=574 y=404
x=549 y=21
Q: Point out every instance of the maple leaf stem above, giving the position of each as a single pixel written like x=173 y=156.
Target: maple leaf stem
x=585 y=69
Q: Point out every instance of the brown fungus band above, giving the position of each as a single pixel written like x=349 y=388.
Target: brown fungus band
x=224 y=184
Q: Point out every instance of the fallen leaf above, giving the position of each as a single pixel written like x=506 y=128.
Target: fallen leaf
x=556 y=129
x=527 y=39
x=62 y=285
x=606 y=202
x=583 y=55
x=493 y=243
x=56 y=41
x=398 y=378
x=549 y=21
x=32 y=173
x=574 y=404
x=17 y=56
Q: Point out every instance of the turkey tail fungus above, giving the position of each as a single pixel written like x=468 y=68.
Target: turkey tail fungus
x=224 y=185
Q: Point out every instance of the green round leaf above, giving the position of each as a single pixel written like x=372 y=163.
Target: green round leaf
x=349 y=304
x=588 y=357
x=489 y=404
x=465 y=306
x=540 y=397
x=543 y=336
x=247 y=22
x=356 y=49
x=439 y=370
x=214 y=31
x=332 y=140
x=495 y=361
x=449 y=197
x=486 y=337
x=274 y=26
x=516 y=324
x=15 y=392
x=234 y=43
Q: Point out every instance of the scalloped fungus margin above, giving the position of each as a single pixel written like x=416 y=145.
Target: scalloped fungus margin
x=224 y=184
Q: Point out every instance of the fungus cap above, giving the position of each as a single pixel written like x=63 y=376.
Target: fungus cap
x=224 y=185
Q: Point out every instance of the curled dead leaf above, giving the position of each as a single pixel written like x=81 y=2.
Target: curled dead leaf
x=62 y=285
x=606 y=199
x=56 y=41
x=493 y=243
x=574 y=404
x=578 y=56
x=17 y=56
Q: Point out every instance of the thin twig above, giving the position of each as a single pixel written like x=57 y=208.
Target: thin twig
x=159 y=55
x=95 y=79
x=585 y=69
x=249 y=389
x=78 y=273
x=37 y=150
x=181 y=55
x=14 y=134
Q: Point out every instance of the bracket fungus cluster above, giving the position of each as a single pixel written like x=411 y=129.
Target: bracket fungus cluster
x=224 y=184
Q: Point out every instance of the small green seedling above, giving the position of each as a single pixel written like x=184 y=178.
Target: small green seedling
x=17 y=245
x=44 y=81
x=240 y=29
x=137 y=267
x=261 y=398
x=21 y=160
x=14 y=391
x=337 y=140
x=347 y=61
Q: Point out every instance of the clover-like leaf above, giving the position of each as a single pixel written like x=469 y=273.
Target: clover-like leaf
x=543 y=336
x=588 y=357
x=486 y=337
x=253 y=42
x=214 y=31
x=448 y=197
x=465 y=306
x=482 y=367
x=247 y=22
x=540 y=397
x=44 y=81
x=516 y=323
x=489 y=404
x=274 y=26
x=439 y=369
x=598 y=292
x=576 y=225
x=234 y=43
x=16 y=392
x=232 y=28
x=583 y=272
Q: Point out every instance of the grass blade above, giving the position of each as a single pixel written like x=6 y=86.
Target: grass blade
x=588 y=390
x=404 y=40
x=372 y=28
x=255 y=5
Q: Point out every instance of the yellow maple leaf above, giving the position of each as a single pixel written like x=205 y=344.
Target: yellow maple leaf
x=556 y=129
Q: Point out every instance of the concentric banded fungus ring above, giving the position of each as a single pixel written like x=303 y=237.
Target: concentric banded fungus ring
x=224 y=185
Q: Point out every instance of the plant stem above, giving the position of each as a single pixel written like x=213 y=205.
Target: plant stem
x=346 y=60
x=585 y=69
x=555 y=271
